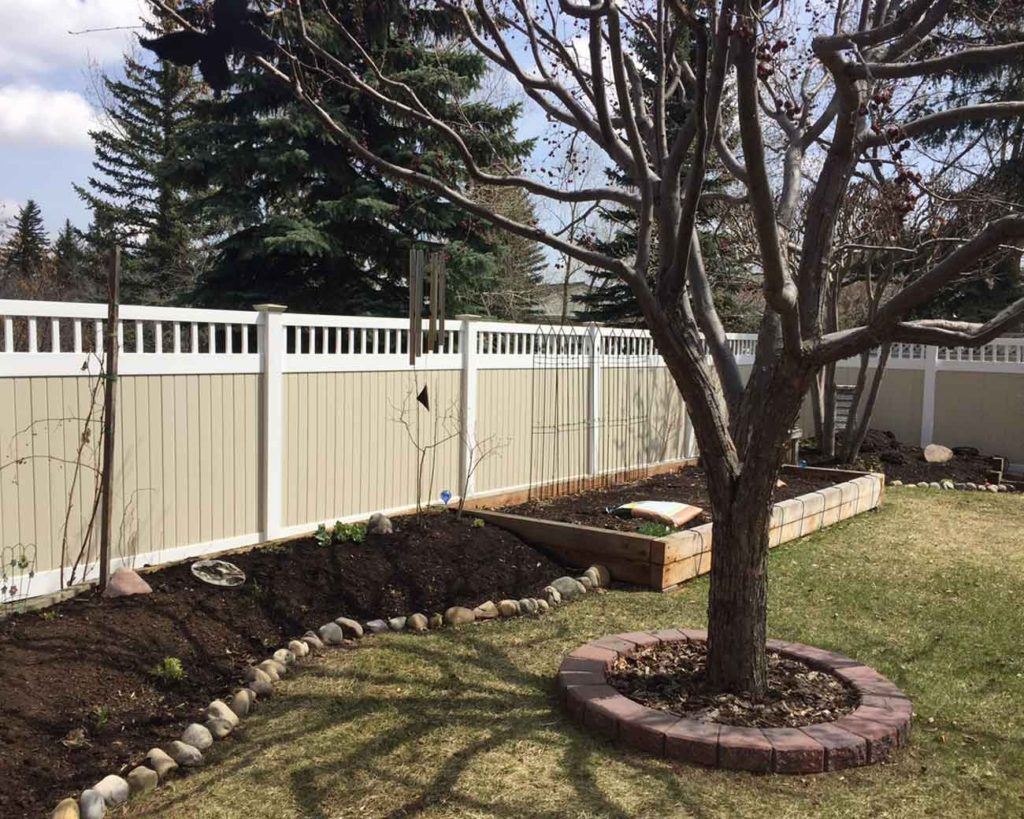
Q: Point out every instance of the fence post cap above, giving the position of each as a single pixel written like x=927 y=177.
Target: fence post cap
x=269 y=308
x=467 y=316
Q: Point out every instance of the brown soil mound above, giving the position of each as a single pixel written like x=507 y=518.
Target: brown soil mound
x=882 y=451
x=686 y=485
x=672 y=677
x=85 y=664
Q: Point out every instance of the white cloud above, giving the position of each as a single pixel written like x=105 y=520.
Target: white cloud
x=34 y=116
x=36 y=34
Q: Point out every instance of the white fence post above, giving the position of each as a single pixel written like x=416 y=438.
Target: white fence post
x=931 y=363
x=467 y=403
x=594 y=401
x=272 y=348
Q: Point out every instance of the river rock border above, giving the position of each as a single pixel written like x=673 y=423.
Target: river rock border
x=221 y=718
x=948 y=484
x=871 y=733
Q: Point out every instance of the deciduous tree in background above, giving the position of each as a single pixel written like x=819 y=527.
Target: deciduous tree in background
x=822 y=96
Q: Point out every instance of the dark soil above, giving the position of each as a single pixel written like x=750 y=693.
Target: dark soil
x=883 y=452
x=84 y=665
x=685 y=485
x=672 y=677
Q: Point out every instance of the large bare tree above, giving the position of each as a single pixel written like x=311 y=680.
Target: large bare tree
x=823 y=93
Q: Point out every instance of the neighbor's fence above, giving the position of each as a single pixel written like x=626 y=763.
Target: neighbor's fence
x=236 y=427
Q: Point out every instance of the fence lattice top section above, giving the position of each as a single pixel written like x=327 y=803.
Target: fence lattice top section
x=39 y=338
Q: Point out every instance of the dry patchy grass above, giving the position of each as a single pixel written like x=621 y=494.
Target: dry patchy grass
x=465 y=724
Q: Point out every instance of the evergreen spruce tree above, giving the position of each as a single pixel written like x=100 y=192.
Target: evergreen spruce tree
x=25 y=253
x=75 y=277
x=132 y=195
x=307 y=226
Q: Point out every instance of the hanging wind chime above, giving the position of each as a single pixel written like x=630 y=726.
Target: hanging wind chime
x=427 y=280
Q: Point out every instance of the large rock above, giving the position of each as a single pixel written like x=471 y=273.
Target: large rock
x=126 y=582
x=350 y=627
x=242 y=702
x=397 y=623
x=486 y=611
x=508 y=608
x=600 y=575
x=218 y=709
x=142 y=779
x=187 y=756
x=198 y=736
x=459 y=616
x=66 y=809
x=528 y=606
x=379 y=524
x=313 y=641
x=218 y=728
x=937 y=454
x=272 y=669
x=331 y=634
x=160 y=761
x=417 y=622
x=113 y=789
x=568 y=588
x=91 y=805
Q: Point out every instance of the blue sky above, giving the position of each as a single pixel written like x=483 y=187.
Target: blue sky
x=46 y=100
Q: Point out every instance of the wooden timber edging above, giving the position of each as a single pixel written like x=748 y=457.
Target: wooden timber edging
x=663 y=563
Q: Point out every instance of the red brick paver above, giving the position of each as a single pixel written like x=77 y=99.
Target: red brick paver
x=879 y=725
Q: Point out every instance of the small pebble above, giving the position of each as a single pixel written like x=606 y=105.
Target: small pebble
x=284 y=656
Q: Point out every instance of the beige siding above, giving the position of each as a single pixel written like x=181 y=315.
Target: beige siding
x=898 y=408
x=985 y=410
x=185 y=460
x=505 y=416
x=346 y=451
x=642 y=417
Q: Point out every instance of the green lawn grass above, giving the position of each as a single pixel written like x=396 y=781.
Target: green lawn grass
x=929 y=590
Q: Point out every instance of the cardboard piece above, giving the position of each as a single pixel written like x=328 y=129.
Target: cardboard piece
x=670 y=513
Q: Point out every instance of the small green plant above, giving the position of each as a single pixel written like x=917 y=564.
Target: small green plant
x=652 y=529
x=355 y=532
x=478 y=523
x=340 y=533
x=169 y=670
x=49 y=614
x=100 y=716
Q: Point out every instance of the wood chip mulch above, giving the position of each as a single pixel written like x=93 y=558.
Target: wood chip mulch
x=672 y=677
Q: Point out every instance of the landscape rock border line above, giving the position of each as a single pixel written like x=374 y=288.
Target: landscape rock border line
x=871 y=733
x=221 y=718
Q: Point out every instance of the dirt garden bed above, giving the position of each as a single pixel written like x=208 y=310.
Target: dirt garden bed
x=864 y=719
x=882 y=451
x=80 y=674
x=686 y=485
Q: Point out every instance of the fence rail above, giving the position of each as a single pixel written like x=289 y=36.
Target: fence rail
x=242 y=426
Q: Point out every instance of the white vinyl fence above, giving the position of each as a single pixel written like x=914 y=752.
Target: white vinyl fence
x=236 y=427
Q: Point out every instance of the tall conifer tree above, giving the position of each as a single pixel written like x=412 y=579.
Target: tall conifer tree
x=132 y=194
x=314 y=229
x=26 y=250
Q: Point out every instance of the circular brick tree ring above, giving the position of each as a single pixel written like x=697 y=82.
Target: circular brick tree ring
x=879 y=724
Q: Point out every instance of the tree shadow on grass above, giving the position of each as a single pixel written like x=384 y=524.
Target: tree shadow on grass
x=472 y=691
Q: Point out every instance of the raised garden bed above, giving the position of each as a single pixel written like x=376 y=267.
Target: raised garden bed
x=83 y=669
x=663 y=562
x=874 y=722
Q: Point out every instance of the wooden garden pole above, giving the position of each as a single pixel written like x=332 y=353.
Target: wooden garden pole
x=109 y=411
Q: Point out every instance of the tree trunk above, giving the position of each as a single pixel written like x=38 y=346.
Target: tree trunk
x=737 y=599
x=855 y=439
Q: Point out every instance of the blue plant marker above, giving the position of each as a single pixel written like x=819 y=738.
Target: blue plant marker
x=446 y=496
x=803 y=463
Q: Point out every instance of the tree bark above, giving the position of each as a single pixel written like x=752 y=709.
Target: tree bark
x=737 y=599
x=855 y=440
